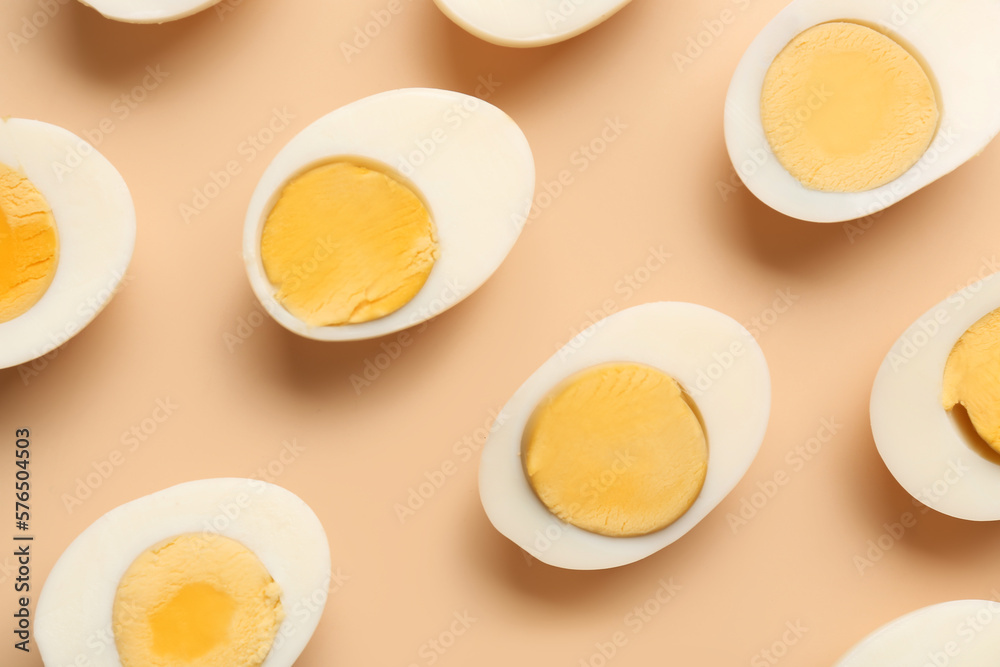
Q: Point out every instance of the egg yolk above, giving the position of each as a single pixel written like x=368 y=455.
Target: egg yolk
x=846 y=109
x=196 y=599
x=346 y=244
x=616 y=450
x=972 y=377
x=29 y=245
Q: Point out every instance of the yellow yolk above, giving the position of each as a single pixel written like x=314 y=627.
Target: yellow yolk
x=616 y=450
x=846 y=109
x=29 y=245
x=346 y=244
x=196 y=599
x=972 y=377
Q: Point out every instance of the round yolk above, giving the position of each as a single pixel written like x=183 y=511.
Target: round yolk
x=616 y=450
x=972 y=377
x=346 y=244
x=847 y=109
x=196 y=599
x=29 y=245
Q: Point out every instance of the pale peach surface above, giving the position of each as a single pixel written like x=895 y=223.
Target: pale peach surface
x=178 y=334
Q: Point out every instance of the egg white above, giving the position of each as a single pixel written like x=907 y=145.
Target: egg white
x=468 y=161
x=957 y=43
x=961 y=633
x=149 y=11
x=524 y=23
x=688 y=342
x=920 y=442
x=95 y=223
x=73 y=617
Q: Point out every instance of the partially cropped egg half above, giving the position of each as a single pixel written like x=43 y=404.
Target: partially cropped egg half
x=387 y=212
x=149 y=11
x=960 y=633
x=935 y=405
x=211 y=573
x=67 y=231
x=627 y=437
x=526 y=23
x=841 y=108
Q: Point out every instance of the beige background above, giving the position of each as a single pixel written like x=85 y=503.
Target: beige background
x=164 y=336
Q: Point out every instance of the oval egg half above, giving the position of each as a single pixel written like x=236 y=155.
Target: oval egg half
x=463 y=158
x=716 y=362
x=525 y=23
x=74 y=615
x=960 y=633
x=94 y=221
x=931 y=452
x=149 y=11
x=957 y=46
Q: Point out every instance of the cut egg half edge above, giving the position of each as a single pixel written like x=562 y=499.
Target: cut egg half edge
x=934 y=453
x=527 y=23
x=80 y=618
x=960 y=633
x=956 y=45
x=46 y=168
x=719 y=367
x=463 y=159
x=149 y=11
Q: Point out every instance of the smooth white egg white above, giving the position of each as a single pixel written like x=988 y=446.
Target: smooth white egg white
x=922 y=445
x=525 y=23
x=715 y=360
x=73 y=617
x=149 y=11
x=955 y=41
x=467 y=160
x=95 y=221
x=961 y=633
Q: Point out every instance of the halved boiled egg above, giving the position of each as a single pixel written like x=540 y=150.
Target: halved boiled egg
x=149 y=11
x=840 y=109
x=387 y=212
x=529 y=22
x=213 y=573
x=960 y=633
x=935 y=405
x=627 y=437
x=67 y=231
